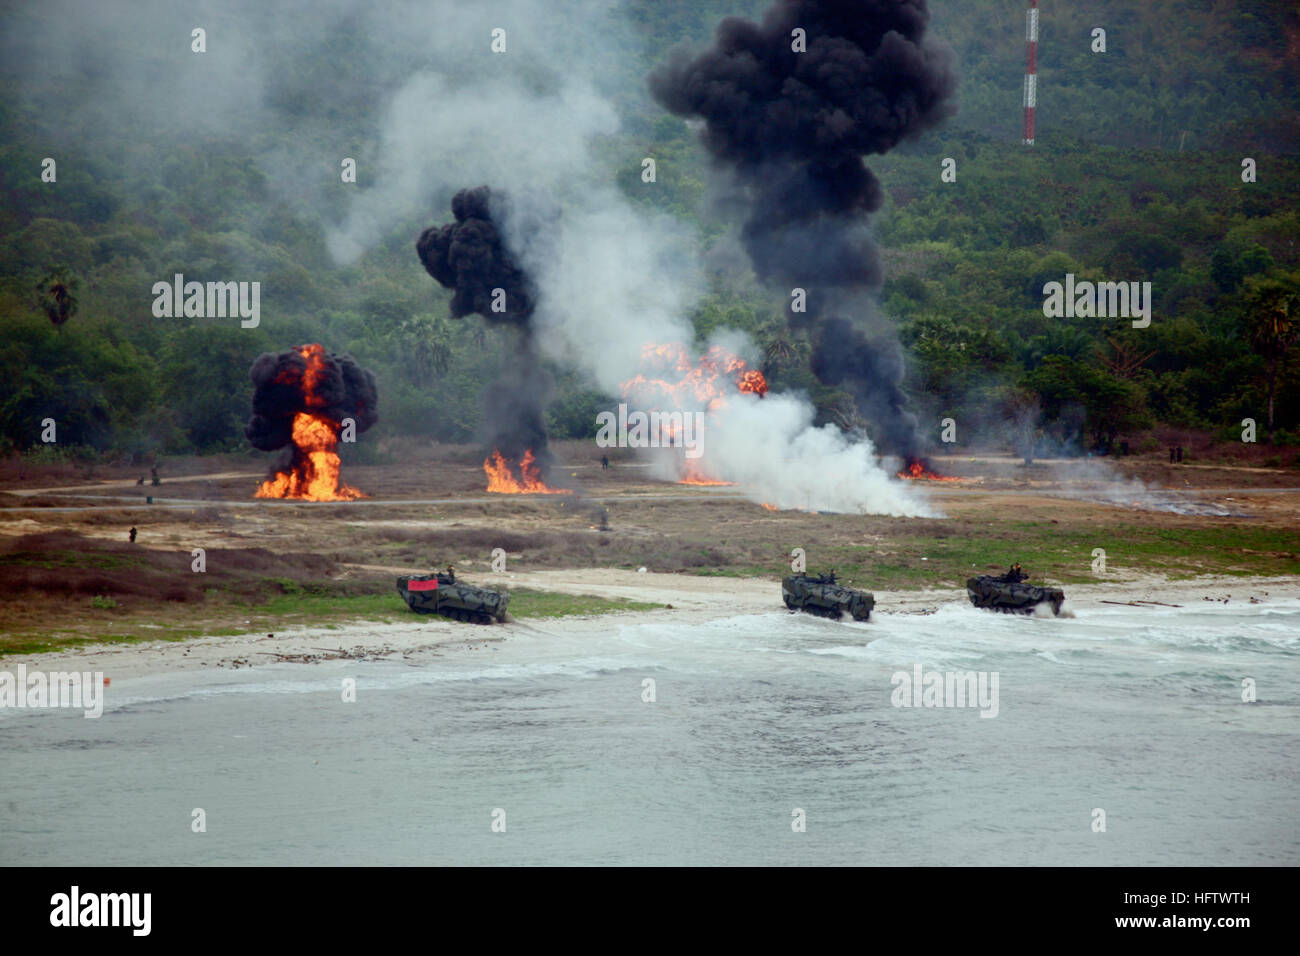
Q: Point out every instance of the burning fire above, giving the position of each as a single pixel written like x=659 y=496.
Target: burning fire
x=694 y=476
x=919 y=468
x=314 y=475
x=675 y=382
x=697 y=384
x=504 y=479
x=314 y=472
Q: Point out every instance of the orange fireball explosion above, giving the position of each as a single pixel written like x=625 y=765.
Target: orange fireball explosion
x=314 y=474
x=502 y=479
x=697 y=384
x=919 y=468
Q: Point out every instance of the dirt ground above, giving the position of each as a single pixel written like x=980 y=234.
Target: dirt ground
x=437 y=502
x=1216 y=528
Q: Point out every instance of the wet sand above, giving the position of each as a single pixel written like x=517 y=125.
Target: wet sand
x=693 y=598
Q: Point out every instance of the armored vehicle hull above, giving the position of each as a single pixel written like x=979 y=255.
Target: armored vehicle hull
x=436 y=594
x=1012 y=597
x=820 y=595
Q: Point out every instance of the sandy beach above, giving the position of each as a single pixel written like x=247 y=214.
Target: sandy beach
x=692 y=599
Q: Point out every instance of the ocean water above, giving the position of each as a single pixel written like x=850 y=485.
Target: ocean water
x=756 y=721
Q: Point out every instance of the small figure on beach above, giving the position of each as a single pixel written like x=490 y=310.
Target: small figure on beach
x=131 y=534
x=154 y=472
x=604 y=462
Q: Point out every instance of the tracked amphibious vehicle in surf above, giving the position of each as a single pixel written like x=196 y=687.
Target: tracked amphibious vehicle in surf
x=443 y=594
x=1000 y=593
x=820 y=594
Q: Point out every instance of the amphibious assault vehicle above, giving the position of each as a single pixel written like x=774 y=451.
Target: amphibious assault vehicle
x=996 y=593
x=819 y=594
x=443 y=594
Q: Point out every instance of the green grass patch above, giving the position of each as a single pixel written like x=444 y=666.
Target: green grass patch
x=1048 y=552
x=528 y=603
x=311 y=603
x=308 y=606
x=95 y=560
x=39 y=643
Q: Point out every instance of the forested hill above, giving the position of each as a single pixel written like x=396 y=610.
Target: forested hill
x=1189 y=74
x=1137 y=174
x=1223 y=72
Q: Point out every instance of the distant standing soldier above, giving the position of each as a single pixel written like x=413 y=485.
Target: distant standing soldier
x=154 y=472
x=132 y=534
x=604 y=462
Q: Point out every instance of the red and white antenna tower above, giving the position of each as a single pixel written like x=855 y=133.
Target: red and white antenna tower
x=1031 y=70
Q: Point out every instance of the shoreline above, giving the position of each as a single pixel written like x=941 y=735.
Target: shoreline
x=689 y=598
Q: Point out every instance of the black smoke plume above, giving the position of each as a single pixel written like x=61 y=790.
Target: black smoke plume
x=847 y=356
x=470 y=257
x=336 y=388
x=792 y=128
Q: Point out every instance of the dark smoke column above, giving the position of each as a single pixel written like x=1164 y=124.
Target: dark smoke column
x=791 y=128
x=469 y=256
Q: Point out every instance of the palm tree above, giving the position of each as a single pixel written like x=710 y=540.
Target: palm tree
x=1071 y=342
x=781 y=348
x=1125 y=358
x=1270 y=312
x=843 y=411
x=56 y=296
x=1023 y=418
x=479 y=336
x=426 y=339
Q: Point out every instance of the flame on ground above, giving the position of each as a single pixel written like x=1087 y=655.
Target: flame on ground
x=694 y=476
x=505 y=478
x=674 y=382
x=314 y=474
x=919 y=468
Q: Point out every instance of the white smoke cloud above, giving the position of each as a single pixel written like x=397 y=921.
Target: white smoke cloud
x=616 y=279
x=439 y=136
x=772 y=450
